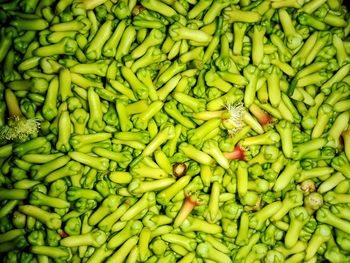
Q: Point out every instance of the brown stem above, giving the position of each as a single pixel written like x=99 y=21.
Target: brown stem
x=179 y=169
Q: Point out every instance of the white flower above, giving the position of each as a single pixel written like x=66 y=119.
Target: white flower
x=19 y=129
x=236 y=112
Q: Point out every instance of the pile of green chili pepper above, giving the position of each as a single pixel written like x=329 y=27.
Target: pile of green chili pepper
x=174 y=131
